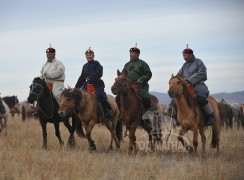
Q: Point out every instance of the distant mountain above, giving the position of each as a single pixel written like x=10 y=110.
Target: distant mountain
x=235 y=97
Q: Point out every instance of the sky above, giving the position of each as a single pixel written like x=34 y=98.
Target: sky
x=214 y=29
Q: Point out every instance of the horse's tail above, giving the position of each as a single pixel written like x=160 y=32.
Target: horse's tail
x=230 y=116
x=215 y=133
x=79 y=128
x=242 y=117
x=23 y=112
x=119 y=129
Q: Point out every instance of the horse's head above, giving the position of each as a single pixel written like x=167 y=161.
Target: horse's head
x=37 y=89
x=69 y=99
x=121 y=83
x=176 y=85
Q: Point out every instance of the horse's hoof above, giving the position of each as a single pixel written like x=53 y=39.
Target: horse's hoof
x=92 y=147
x=44 y=147
x=110 y=148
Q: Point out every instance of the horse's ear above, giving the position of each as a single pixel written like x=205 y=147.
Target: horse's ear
x=125 y=72
x=76 y=96
x=172 y=75
x=118 y=72
x=182 y=76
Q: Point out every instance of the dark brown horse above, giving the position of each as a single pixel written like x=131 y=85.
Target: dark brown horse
x=132 y=109
x=190 y=116
x=90 y=112
x=225 y=113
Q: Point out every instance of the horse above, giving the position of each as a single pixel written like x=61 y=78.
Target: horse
x=8 y=102
x=225 y=112
x=90 y=112
x=27 y=110
x=190 y=116
x=132 y=110
x=47 y=109
x=2 y=108
x=238 y=116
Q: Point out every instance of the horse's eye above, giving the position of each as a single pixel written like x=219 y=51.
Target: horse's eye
x=178 y=82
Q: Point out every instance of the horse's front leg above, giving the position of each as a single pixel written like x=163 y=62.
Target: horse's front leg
x=44 y=133
x=132 y=137
x=88 y=135
x=57 y=132
x=181 y=139
x=71 y=140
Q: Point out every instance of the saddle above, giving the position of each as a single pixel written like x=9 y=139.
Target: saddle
x=91 y=88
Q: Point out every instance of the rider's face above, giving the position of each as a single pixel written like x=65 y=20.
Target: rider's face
x=187 y=57
x=50 y=56
x=90 y=56
x=134 y=55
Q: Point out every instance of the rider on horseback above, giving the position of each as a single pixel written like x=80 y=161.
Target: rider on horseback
x=91 y=73
x=139 y=73
x=195 y=74
x=53 y=74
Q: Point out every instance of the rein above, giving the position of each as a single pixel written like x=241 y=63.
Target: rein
x=39 y=95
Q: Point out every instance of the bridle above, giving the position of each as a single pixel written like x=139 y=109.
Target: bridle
x=124 y=85
x=33 y=86
x=68 y=109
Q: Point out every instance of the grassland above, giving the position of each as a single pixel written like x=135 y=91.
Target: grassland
x=21 y=157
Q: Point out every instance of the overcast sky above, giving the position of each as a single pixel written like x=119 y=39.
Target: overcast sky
x=213 y=29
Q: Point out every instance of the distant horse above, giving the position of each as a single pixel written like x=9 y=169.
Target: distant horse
x=90 y=112
x=8 y=103
x=225 y=113
x=237 y=111
x=47 y=108
x=132 y=110
x=190 y=116
x=27 y=110
x=2 y=108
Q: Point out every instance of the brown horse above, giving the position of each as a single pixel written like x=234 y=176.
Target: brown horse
x=225 y=113
x=132 y=109
x=89 y=110
x=190 y=116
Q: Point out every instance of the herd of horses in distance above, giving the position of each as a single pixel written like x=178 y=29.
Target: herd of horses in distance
x=85 y=111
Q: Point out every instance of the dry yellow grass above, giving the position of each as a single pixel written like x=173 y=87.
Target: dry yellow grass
x=21 y=157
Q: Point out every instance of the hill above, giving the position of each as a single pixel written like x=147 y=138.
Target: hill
x=234 y=97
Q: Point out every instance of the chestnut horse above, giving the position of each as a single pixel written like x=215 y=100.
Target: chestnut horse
x=132 y=110
x=89 y=110
x=190 y=116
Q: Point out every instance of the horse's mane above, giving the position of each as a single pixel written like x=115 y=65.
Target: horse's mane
x=76 y=95
x=42 y=82
x=191 y=101
x=66 y=93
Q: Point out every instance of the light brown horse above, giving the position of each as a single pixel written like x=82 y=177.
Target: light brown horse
x=132 y=110
x=90 y=112
x=190 y=116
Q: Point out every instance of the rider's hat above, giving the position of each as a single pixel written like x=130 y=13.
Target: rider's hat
x=89 y=50
x=50 y=50
x=187 y=50
x=135 y=49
